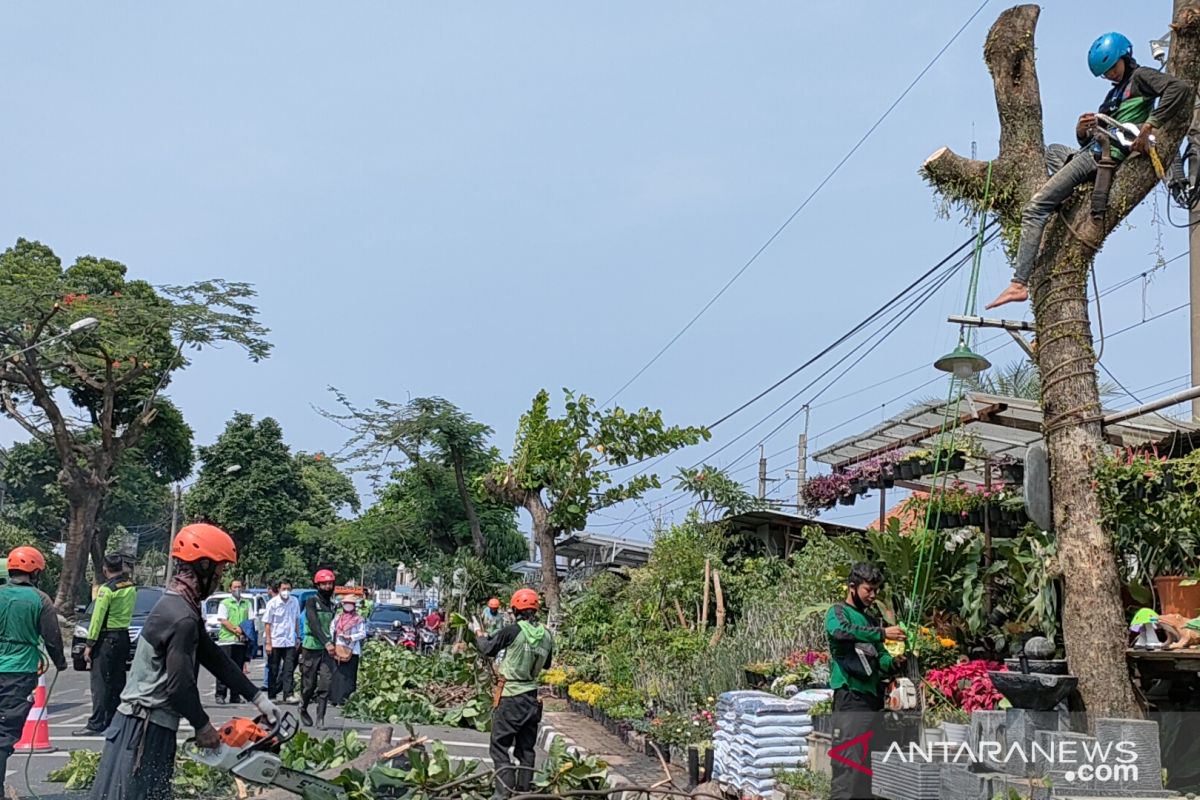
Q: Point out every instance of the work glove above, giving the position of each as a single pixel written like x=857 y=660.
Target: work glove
x=267 y=708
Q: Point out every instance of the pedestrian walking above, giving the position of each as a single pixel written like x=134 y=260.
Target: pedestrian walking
x=282 y=634
x=107 y=648
x=317 y=647
x=28 y=621
x=348 y=631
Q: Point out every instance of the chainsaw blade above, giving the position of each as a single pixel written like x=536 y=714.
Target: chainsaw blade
x=310 y=787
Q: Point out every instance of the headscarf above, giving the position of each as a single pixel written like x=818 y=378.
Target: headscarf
x=346 y=621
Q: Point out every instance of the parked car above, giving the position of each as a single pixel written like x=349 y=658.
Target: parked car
x=393 y=623
x=147 y=596
x=258 y=610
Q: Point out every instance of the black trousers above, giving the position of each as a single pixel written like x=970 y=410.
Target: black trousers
x=514 y=726
x=237 y=653
x=108 y=676
x=138 y=761
x=345 y=681
x=281 y=666
x=855 y=714
x=317 y=675
x=16 y=698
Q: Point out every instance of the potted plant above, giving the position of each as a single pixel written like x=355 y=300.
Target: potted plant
x=822 y=716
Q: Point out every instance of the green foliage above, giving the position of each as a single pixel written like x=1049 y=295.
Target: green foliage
x=192 y=779
x=562 y=456
x=14 y=536
x=430 y=776
x=563 y=771
x=802 y=782
x=110 y=374
x=306 y=753
x=432 y=690
x=717 y=495
x=79 y=772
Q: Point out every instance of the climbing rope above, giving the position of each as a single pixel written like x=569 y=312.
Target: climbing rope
x=951 y=417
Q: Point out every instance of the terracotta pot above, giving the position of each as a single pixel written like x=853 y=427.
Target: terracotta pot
x=1176 y=599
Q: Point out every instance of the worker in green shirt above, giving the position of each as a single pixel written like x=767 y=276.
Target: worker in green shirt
x=859 y=663
x=28 y=620
x=231 y=613
x=528 y=648
x=107 y=649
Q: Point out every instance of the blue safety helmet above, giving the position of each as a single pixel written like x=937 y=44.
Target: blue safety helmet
x=1107 y=51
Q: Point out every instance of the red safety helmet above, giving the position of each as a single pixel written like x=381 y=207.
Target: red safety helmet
x=494 y=604
x=26 y=559
x=525 y=600
x=201 y=540
x=324 y=576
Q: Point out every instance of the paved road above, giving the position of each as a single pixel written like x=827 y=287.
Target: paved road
x=70 y=705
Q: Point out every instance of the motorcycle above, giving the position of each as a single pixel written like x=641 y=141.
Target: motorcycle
x=399 y=635
x=429 y=641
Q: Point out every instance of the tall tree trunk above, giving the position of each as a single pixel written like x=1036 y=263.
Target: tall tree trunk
x=84 y=509
x=468 y=503
x=544 y=536
x=1094 y=626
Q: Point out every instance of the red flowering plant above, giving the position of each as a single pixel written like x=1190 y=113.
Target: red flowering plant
x=823 y=491
x=967 y=685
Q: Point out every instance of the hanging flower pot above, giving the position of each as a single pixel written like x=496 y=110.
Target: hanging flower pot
x=957 y=462
x=1013 y=473
x=847 y=499
x=905 y=470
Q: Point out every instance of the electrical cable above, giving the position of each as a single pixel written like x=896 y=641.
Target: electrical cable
x=801 y=207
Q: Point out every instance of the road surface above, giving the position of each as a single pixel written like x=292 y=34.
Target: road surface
x=70 y=705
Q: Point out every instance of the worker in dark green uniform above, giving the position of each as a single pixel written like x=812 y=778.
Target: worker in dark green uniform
x=107 y=649
x=27 y=620
x=859 y=663
x=528 y=648
x=317 y=648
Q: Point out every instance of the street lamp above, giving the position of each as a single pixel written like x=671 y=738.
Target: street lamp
x=78 y=325
x=963 y=362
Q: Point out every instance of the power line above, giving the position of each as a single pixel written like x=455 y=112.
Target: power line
x=799 y=208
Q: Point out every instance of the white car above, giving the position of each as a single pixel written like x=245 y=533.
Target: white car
x=258 y=612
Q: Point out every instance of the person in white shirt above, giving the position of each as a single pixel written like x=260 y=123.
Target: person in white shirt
x=347 y=633
x=282 y=631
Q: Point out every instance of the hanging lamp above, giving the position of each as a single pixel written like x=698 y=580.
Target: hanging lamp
x=963 y=362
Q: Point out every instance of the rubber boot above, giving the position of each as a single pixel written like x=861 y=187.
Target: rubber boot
x=304 y=715
x=321 y=713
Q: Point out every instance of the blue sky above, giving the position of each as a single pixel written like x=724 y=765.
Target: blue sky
x=477 y=201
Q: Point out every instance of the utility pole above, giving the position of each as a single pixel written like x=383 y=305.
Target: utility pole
x=171 y=538
x=762 y=474
x=1193 y=139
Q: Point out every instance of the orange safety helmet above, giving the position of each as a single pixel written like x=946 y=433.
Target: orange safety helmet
x=525 y=600
x=494 y=604
x=201 y=540
x=26 y=559
x=324 y=576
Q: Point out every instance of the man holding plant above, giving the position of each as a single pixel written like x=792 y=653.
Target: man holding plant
x=859 y=664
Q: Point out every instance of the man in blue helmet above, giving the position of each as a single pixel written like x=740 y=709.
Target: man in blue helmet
x=1131 y=100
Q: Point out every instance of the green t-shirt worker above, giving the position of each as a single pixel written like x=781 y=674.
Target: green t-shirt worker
x=107 y=649
x=29 y=619
x=317 y=648
x=859 y=666
x=528 y=648
x=231 y=613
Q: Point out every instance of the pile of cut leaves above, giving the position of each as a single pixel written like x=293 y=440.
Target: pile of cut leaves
x=434 y=776
x=397 y=686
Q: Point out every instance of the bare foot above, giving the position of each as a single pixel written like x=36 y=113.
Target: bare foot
x=1015 y=293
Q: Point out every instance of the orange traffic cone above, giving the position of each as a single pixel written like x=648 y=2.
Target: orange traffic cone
x=35 y=738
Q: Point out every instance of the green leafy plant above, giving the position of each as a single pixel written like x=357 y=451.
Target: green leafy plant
x=199 y=781
x=306 y=753
x=79 y=771
x=429 y=776
x=802 y=782
x=564 y=771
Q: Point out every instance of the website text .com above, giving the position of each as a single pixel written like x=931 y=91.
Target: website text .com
x=1082 y=761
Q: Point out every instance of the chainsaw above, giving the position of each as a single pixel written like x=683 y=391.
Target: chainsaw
x=251 y=752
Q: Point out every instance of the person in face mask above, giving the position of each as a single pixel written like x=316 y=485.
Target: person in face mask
x=859 y=664
x=233 y=611
x=138 y=761
x=282 y=634
x=348 y=631
x=27 y=620
x=318 y=647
